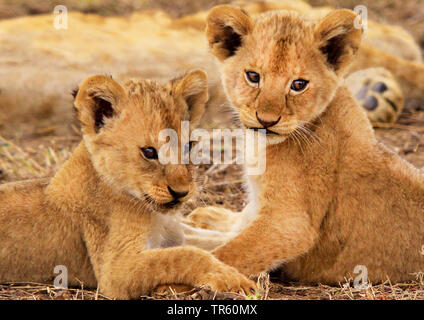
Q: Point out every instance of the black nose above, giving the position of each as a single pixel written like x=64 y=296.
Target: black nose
x=177 y=195
x=267 y=124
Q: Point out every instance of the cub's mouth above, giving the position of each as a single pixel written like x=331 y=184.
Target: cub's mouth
x=267 y=131
x=272 y=137
x=164 y=206
x=172 y=204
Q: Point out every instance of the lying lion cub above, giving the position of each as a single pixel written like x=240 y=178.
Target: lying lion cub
x=332 y=197
x=105 y=215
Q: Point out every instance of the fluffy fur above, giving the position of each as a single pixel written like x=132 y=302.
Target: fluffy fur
x=331 y=197
x=107 y=215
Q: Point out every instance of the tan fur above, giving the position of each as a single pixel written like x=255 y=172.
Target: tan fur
x=331 y=197
x=104 y=215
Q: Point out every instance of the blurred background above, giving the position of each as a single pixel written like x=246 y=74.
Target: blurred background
x=407 y=13
x=158 y=39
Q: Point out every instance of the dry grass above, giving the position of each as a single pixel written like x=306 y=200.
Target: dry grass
x=268 y=290
x=41 y=153
x=384 y=291
x=33 y=158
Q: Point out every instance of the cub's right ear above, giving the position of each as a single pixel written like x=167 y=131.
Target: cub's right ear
x=225 y=28
x=97 y=100
x=339 y=39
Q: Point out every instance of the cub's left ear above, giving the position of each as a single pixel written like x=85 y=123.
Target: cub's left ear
x=193 y=87
x=226 y=26
x=97 y=99
x=339 y=38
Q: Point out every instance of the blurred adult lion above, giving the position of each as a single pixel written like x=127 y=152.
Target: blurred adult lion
x=38 y=63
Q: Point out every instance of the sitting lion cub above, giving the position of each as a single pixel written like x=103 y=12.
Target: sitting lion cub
x=332 y=198
x=106 y=215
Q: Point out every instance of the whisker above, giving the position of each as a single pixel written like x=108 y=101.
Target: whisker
x=305 y=137
x=309 y=132
x=294 y=135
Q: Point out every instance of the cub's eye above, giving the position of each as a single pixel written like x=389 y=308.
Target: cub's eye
x=149 y=153
x=188 y=147
x=253 y=77
x=299 y=85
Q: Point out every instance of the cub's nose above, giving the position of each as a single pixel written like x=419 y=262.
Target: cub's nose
x=267 y=120
x=177 y=194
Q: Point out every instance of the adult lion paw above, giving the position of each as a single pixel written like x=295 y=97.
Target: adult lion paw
x=378 y=93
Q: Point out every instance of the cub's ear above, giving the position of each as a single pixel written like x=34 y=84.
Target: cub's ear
x=339 y=39
x=225 y=28
x=193 y=87
x=97 y=99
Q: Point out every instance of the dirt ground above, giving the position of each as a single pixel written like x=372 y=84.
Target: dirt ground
x=41 y=153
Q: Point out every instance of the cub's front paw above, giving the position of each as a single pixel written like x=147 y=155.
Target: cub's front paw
x=211 y=218
x=228 y=279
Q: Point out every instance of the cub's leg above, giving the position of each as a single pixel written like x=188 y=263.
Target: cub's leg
x=201 y=238
x=378 y=93
x=228 y=224
x=276 y=235
x=125 y=269
x=209 y=227
x=212 y=218
x=129 y=273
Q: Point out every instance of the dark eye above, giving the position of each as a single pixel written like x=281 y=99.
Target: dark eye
x=299 y=85
x=253 y=77
x=149 y=153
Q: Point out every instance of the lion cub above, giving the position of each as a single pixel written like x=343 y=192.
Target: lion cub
x=106 y=215
x=332 y=198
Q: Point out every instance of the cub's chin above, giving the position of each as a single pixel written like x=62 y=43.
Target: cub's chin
x=170 y=207
x=164 y=208
x=271 y=136
x=156 y=206
x=275 y=139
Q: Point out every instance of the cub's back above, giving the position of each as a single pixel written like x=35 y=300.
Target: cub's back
x=34 y=235
x=21 y=196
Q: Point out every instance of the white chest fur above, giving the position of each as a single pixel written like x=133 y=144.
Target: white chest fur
x=250 y=212
x=166 y=232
